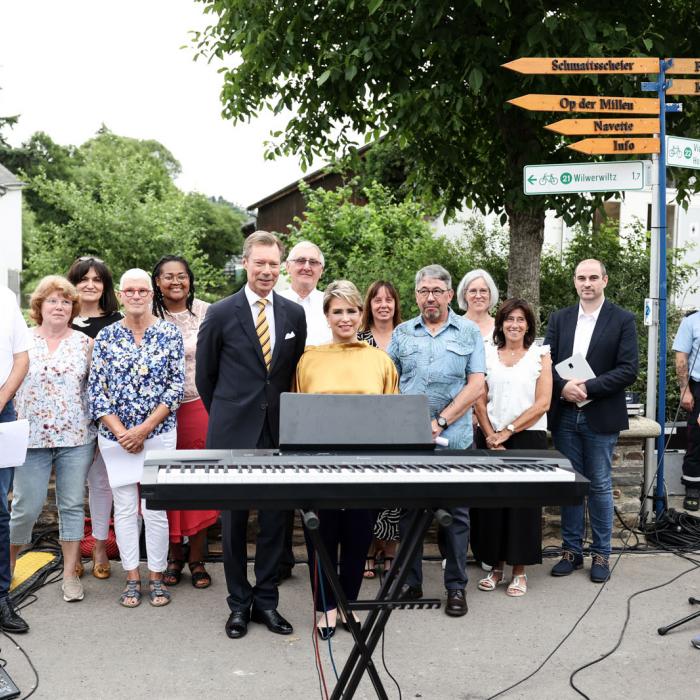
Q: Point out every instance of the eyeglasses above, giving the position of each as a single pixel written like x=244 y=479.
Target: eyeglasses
x=303 y=262
x=65 y=303
x=85 y=258
x=477 y=292
x=136 y=292
x=180 y=277
x=437 y=293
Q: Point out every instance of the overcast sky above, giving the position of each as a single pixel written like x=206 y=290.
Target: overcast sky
x=67 y=67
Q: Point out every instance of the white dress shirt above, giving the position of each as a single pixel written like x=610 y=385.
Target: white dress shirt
x=317 y=330
x=253 y=298
x=585 y=326
x=14 y=334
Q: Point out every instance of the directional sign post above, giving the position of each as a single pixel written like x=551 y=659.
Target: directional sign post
x=562 y=178
x=618 y=126
x=684 y=153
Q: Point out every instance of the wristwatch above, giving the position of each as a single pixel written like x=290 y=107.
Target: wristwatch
x=442 y=423
x=511 y=427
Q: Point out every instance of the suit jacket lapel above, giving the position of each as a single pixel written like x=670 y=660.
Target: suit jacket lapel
x=280 y=320
x=245 y=316
x=601 y=323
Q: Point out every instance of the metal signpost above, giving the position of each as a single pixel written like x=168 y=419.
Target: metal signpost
x=623 y=175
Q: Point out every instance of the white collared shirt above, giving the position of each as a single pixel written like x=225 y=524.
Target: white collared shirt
x=253 y=298
x=14 y=335
x=585 y=325
x=317 y=330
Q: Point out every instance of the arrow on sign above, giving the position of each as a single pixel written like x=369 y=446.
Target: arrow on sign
x=577 y=103
x=576 y=127
x=683 y=87
x=532 y=179
x=549 y=66
x=617 y=146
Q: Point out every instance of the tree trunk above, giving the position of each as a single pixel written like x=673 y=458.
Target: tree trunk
x=526 y=238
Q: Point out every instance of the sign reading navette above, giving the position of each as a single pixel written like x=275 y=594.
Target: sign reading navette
x=591 y=103
x=564 y=178
x=604 y=127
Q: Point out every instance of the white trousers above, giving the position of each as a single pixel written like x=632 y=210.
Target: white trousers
x=126 y=520
x=100 y=497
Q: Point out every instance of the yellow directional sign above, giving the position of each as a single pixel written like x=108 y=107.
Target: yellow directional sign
x=560 y=66
x=563 y=66
x=621 y=146
x=616 y=125
x=684 y=87
x=594 y=103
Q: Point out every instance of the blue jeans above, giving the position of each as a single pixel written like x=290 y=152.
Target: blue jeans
x=7 y=415
x=32 y=482
x=591 y=455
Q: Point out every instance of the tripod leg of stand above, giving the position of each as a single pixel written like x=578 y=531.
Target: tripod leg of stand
x=373 y=626
x=311 y=521
x=662 y=630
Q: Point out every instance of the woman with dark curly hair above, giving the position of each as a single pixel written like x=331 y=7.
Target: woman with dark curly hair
x=174 y=301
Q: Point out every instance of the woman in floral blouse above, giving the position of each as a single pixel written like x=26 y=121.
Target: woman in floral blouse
x=136 y=385
x=53 y=398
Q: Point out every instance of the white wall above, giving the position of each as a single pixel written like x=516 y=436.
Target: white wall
x=10 y=234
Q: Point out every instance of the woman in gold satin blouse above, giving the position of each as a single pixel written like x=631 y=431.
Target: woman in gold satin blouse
x=346 y=366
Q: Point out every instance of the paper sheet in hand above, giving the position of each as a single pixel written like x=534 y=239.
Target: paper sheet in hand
x=14 y=438
x=126 y=468
x=576 y=367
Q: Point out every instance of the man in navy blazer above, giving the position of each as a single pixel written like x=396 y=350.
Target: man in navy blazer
x=587 y=433
x=239 y=337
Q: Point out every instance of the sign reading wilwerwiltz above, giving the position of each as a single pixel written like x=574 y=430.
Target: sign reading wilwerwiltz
x=592 y=103
x=616 y=146
x=615 y=125
x=564 y=178
x=633 y=65
x=683 y=87
x=683 y=153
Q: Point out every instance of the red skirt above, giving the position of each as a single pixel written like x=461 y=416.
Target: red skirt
x=192 y=421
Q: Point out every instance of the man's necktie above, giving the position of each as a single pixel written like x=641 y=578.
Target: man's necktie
x=263 y=331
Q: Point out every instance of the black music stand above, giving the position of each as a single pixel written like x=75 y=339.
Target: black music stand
x=377 y=423
x=693 y=601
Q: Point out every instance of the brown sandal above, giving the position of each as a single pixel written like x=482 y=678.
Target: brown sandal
x=200 y=579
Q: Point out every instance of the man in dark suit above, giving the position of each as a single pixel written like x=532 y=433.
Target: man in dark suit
x=247 y=352
x=606 y=336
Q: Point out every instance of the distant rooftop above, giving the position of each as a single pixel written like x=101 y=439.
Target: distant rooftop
x=8 y=179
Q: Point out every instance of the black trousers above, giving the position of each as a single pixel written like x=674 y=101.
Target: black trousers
x=268 y=549
x=346 y=534
x=691 y=461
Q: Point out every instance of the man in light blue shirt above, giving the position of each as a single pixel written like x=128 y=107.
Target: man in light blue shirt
x=441 y=355
x=687 y=347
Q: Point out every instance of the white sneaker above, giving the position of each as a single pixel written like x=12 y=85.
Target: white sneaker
x=72 y=588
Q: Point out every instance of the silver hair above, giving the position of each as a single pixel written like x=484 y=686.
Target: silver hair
x=304 y=244
x=468 y=279
x=438 y=272
x=136 y=273
x=343 y=290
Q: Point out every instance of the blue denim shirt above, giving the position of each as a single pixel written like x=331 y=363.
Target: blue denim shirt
x=439 y=366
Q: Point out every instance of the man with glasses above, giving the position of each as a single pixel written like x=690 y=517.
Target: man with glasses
x=441 y=355
x=14 y=363
x=304 y=266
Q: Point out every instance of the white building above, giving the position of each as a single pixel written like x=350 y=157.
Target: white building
x=10 y=229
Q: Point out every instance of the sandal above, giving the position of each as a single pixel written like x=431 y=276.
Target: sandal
x=173 y=573
x=692 y=498
x=131 y=592
x=494 y=578
x=200 y=579
x=518 y=586
x=156 y=590
x=370 y=566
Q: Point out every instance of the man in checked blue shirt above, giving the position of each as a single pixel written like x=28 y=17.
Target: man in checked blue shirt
x=441 y=355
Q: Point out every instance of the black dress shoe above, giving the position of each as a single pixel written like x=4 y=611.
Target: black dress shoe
x=272 y=620
x=10 y=621
x=410 y=592
x=325 y=633
x=456 y=603
x=237 y=624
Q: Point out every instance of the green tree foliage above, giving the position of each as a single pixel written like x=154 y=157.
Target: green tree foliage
x=115 y=197
x=426 y=75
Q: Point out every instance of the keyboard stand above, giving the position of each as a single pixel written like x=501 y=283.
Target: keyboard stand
x=367 y=636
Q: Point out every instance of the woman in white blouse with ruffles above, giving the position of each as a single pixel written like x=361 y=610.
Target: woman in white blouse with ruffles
x=512 y=415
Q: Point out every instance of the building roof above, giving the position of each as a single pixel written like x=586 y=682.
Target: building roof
x=8 y=179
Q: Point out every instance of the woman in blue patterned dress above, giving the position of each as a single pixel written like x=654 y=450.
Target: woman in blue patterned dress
x=136 y=385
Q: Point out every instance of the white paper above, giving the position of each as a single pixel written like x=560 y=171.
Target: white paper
x=14 y=438
x=126 y=468
x=575 y=367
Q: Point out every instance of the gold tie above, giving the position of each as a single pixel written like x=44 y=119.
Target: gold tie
x=263 y=331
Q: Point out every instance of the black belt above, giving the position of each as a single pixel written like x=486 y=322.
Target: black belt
x=570 y=405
